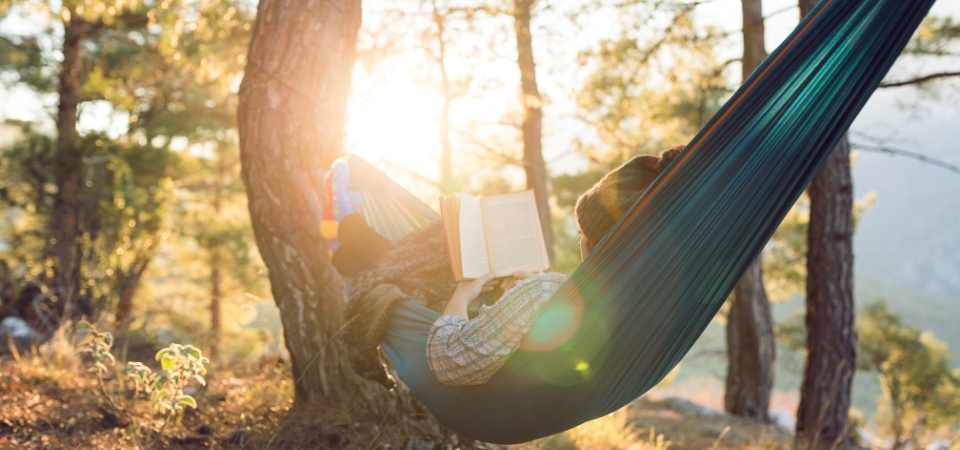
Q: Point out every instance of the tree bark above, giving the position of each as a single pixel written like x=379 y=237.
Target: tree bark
x=823 y=413
x=831 y=339
x=214 y=309
x=750 y=347
x=64 y=226
x=128 y=288
x=754 y=48
x=291 y=114
x=533 y=163
x=750 y=341
x=215 y=286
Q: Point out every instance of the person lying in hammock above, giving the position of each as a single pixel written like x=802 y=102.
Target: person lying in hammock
x=466 y=349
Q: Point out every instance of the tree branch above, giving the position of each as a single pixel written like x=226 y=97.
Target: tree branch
x=23 y=47
x=918 y=156
x=919 y=80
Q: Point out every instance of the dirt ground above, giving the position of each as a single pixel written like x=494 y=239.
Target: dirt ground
x=687 y=425
x=48 y=408
x=50 y=405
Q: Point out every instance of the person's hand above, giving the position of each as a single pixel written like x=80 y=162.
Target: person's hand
x=511 y=281
x=466 y=292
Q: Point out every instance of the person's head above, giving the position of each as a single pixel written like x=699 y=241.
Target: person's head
x=599 y=209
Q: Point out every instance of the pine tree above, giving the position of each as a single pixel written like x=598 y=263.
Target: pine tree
x=750 y=340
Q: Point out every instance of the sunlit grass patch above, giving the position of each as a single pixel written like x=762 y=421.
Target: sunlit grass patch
x=613 y=431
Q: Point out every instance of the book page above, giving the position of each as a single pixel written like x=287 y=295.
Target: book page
x=514 y=237
x=450 y=215
x=473 y=245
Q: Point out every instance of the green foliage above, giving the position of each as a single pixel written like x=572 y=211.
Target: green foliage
x=25 y=196
x=124 y=191
x=643 y=96
x=920 y=391
x=935 y=43
x=638 y=98
x=170 y=70
x=23 y=58
x=97 y=344
x=174 y=75
x=785 y=256
x=792 y=332
x=181 y=366
x=937 y=36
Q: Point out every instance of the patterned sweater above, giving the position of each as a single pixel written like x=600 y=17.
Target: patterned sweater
x=465 y=352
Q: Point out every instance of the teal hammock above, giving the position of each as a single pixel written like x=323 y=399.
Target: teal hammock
x=632 y=310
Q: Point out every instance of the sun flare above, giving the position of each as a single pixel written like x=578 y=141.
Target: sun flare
x=397 y=124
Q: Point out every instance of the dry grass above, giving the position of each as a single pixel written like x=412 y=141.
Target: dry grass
x=613 y=431
x=47 y=400
x=649 y=425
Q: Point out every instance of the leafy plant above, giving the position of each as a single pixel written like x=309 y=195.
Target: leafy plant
x=98 y=345
x=181 y=366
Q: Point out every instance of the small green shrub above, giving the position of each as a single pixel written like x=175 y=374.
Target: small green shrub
x=181 y=365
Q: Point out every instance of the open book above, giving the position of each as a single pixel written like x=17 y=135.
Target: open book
x=499 y=234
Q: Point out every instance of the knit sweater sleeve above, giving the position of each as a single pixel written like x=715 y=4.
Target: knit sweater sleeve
x=465 y=352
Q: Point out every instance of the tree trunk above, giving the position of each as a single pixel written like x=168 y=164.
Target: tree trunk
x=447 y=183
x=750 y=347
x=750 y=340
x=823 y=414
x=128 y=289
x=754 y=50
x=214 y=309
x=291 y=114
x=215 y=288
x=533 y=164
x=64 y=225
x=831 y=339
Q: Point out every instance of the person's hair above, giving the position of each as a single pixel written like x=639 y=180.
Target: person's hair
x=601 y=206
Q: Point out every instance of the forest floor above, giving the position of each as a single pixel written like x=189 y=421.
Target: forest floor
x=51 y=402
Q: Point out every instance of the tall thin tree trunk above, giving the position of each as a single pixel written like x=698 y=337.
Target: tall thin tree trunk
x=64 y=226
x=447 y=183
x=291 y=114
x=750 y=341
x=533 y=163
x=214 y=308
x=750 y=347
x=128 y=290
x=215 y=288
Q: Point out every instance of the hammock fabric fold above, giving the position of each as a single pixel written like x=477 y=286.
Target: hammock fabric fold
x=632 y=310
